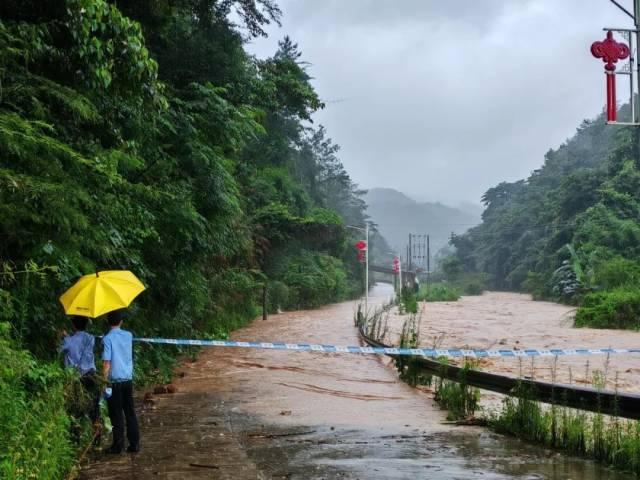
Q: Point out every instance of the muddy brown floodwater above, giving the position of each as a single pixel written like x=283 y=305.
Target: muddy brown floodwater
x=262 y=414
x=512 y=320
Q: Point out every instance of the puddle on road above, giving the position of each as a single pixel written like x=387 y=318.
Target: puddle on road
x=365 y=454
x=312 y=415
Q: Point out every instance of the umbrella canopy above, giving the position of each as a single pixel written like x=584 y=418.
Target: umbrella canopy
x=102 y=292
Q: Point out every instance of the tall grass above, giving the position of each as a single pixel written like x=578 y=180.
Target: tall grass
x=607 y=439
x=459 y=398
x=35 y=439
x=407 y=365
x=374 y=323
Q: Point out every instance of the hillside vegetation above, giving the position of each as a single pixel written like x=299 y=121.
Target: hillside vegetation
x=140 y=135
x=571 y=231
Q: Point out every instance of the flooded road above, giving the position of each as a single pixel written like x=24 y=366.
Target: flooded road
x=241 y=413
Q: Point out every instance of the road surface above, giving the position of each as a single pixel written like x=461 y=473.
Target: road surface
x=263 y=414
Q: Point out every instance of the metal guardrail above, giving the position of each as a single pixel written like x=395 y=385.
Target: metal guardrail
x=608 y=402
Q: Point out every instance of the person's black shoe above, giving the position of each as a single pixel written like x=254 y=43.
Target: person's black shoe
x=133 y=448
x=112 y=450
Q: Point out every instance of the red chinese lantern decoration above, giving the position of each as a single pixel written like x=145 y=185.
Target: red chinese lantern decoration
x=396 y=264
x=610 y=52
x=362 y=248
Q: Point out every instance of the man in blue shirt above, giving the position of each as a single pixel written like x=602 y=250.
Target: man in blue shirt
x=78 y=348
x=117 y=357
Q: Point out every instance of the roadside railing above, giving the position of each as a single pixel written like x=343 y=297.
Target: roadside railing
x=608 y=402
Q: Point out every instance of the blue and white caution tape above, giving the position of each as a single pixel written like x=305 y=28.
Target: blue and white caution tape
x=422 y=352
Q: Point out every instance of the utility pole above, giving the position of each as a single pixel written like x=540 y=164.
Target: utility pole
x=428 y=264
x=636 y=21
x=407 y=258
x=264 y=302
x=410 y=259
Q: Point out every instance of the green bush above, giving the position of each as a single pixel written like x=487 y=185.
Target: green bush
x=473 y=287
x=472 y=283
x=451 y=267
x=617 y=272
x=536 y=285
x=277 y=296
x=465 y=283
x=34 y=425
x=408 y=301
x=438 y=292
x=618 y=308
x=314 y=279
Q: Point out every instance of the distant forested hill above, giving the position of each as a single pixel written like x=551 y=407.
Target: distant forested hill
x=571 y=230
x=397 y=215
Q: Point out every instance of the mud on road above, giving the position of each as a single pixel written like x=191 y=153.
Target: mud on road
x=262 y=414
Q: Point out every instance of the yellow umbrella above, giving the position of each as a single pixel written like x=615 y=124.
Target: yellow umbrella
x=99 y=293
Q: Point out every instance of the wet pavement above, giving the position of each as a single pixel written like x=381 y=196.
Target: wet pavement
x=262 y=414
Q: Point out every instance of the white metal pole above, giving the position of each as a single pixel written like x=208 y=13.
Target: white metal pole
x=636 y=21
x=366 y=272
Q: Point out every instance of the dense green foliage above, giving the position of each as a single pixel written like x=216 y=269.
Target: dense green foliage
x=617 y=308
x=35 y=435
x=572 y=228
x=438 y=292
x=140 y=135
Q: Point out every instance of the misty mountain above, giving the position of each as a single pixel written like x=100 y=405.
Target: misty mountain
x=397 y=215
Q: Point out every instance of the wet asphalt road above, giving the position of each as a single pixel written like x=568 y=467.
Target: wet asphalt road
x=261 y=414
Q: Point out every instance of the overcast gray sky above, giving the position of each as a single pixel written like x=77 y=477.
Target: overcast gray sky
x=442 y=99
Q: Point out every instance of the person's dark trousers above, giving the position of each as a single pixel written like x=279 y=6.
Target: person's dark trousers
x=92 y=387
x=121 y=408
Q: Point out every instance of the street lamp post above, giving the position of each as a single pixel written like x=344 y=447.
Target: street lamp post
x=400 y=275
x=365 y=229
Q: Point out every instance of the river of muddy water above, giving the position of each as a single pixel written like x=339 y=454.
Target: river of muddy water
x=497 y=320
x=307 y=415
